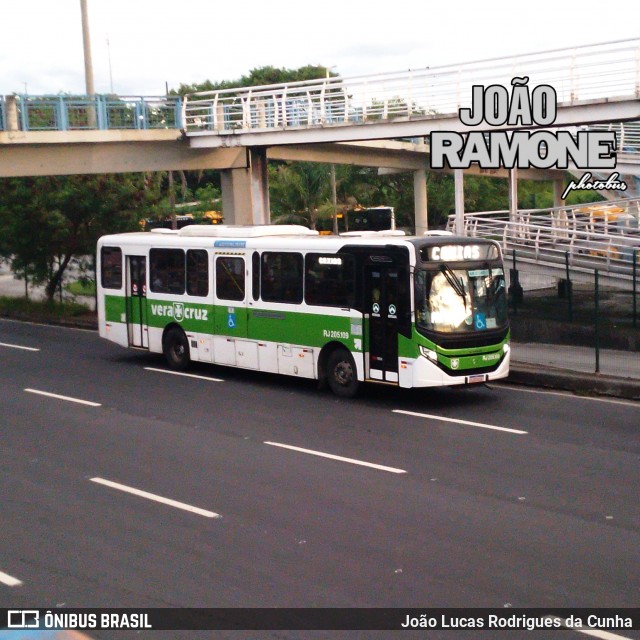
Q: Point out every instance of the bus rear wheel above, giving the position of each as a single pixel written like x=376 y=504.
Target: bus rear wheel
x=341 y=374
x=176 y=349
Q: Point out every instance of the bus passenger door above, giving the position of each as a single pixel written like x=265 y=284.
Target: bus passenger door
x=136 y=302
x=230 y=342
x=383 y=285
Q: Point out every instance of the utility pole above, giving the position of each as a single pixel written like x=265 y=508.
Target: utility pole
x=88 y=64
x=332 y=176
x=334 y=199
x=172 y=202
x=110 y=70
x=86 y=41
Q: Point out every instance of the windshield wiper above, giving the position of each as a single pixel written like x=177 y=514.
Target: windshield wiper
x=495 y=284
x=453 y=281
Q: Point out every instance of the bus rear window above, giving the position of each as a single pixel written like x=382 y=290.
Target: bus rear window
x=111 y=267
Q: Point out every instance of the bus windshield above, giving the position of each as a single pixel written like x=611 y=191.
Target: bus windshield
x=451 y=300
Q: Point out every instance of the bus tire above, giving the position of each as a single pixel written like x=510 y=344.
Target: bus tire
x=342 y=376
x=176 y=349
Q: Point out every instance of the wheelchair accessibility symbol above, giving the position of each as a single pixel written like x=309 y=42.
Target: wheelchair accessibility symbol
x=231 y=321
x=480 y=321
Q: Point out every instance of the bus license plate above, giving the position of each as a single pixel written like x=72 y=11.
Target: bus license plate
x=477 y=378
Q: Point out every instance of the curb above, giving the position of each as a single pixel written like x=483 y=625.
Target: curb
x=58 y=322
x=578 y=382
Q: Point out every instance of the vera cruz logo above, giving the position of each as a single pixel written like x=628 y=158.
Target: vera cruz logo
x=179 y=312
x=541 y=149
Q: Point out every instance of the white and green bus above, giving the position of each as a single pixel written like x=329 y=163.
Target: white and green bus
x=369 y=307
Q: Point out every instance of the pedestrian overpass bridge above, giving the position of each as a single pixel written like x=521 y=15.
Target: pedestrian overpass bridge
x=599 y=83
x=593 y=84
x=381 y=120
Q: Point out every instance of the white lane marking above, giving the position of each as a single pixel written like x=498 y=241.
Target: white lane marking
x=565 y=394
x=603 y=635
x=457 y=421
x=595 y=633
x=380 y=467
x=17 y=346
x=10 y=581
x=186 y=375
x=156 y=498
x=67 y=398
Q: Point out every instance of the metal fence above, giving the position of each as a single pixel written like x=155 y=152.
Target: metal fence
x=65 y=113
x=576 y=326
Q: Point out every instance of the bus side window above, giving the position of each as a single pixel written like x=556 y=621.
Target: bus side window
x=197 y=272
x=167 y=271
x=330 y=280
x=281 y=278
x=422 y=287
x=111 y=267
x=255 y=275
x=230 y=278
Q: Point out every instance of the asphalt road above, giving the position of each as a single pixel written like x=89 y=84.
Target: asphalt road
x=488 y=497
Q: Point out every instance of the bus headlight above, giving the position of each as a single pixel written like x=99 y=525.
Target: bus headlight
x=429 y=354
x=506 y=348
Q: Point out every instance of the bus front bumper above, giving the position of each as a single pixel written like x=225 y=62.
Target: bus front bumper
x=422 y=372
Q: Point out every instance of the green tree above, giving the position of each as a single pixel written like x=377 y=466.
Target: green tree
x=534 y=194
x=257 y=77
x=46 y=221
x=297 y=190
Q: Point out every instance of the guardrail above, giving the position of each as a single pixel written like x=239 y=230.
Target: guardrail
x=602 y=235
x=66 y=113
x=582 y=73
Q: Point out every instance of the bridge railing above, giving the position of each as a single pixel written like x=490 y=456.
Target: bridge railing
x=627 y=135
x=603 y=235
x=66 y=113
x=581 y=73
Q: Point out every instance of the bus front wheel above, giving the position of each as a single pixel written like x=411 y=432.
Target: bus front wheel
x=176 y=349
x=341 y=374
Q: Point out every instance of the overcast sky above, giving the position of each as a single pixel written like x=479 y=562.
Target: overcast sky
x=153 y=42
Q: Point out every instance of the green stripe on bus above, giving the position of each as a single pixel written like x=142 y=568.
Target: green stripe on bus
x=291 y=327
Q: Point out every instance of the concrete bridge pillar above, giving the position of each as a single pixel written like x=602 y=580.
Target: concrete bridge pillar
x=245 y=191
x=11 y=110
x=420 y=200
x=558 y=190
x=513 y=193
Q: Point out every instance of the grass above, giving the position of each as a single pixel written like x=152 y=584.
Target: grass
x=44 y=311
x=82 y=288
